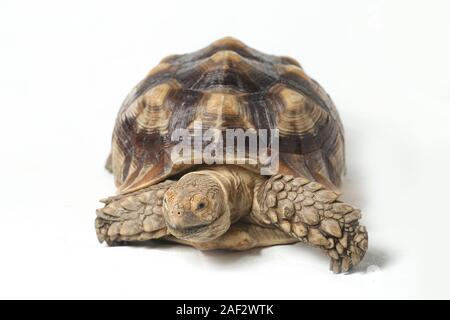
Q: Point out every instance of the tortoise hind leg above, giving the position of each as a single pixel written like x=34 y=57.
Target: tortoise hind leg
x=242 y=236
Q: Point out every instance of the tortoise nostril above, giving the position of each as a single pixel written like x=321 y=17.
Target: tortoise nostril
x=179 y=212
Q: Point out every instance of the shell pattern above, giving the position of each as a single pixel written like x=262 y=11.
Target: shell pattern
x=227 y=85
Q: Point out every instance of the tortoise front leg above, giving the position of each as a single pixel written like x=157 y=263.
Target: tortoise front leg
x=311 y=213
x=133 y=217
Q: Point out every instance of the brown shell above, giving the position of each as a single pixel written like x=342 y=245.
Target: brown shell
x=227 y=85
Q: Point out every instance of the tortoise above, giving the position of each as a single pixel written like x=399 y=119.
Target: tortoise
x=224 y=205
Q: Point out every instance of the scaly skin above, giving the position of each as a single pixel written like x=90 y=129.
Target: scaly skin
x=139 y=216
x=133 y=217
x=314 y=215
x=304 y=210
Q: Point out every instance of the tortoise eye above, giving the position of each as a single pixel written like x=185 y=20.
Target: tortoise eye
x=201 y=206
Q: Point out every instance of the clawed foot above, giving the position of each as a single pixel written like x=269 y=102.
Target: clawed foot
x=349 y=250
x=314 y=215
x=132 y=217
x=128 y=227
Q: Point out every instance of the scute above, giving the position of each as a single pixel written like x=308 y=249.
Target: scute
x=226 y=85
x=227 y=69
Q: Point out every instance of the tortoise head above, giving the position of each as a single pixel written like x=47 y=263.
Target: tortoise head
x=195 y=208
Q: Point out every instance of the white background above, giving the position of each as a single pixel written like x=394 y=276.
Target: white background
x=65 y=68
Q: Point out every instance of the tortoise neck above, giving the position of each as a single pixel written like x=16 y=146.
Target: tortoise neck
x=238 y=185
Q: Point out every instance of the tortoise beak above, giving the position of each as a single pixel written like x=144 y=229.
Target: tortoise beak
x=180 y=219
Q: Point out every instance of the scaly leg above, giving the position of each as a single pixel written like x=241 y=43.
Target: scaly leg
x=133 y=217
x=311 y=213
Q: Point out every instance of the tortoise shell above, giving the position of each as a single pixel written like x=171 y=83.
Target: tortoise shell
x=227 y=85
